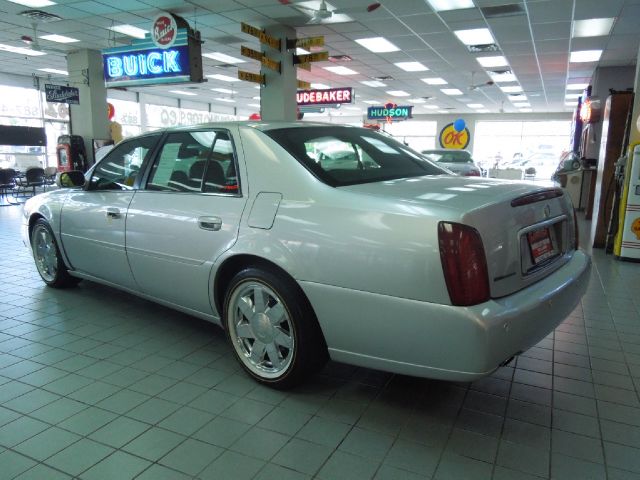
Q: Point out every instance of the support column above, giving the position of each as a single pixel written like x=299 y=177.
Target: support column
x=278 y=97
x=89 y=118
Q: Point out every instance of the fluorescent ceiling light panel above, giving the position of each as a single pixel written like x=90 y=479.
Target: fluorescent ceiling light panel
x=483 y=110
x=55 y=71
x=442 y=5
x=526 y=110
x=59 y=38
x=577 y=86
x=570 y=96
x=593 y=27
x=431 y=107
x=451 y=91
x=475 y=36
x=20 y=50
x=371 y=102
x=521 y=104
x=257 y=105
x=224 y=78
x=582 y=56
x=434 y=81
x=255 y=98
x=373 y=83
x=518 y=98
x=130 y=30
x=227 y=100
x=502 y=77
x=341 y=70
x=398 y=93
x=34 y=3
x=511 y=89
x=416 y=100
x=411 y=66
x=444 y=111
x=320 y=86
x=489 y=62
x=377 y=44
x=223 y=57
x=353 y=108
x=223 y=90
x=182 y=92
x=475 y=105
x=570 y=104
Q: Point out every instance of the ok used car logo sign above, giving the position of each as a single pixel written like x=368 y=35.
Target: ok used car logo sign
x=455 y=135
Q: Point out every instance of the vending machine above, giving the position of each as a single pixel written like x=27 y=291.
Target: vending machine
x=627 y=241
x=71 y=153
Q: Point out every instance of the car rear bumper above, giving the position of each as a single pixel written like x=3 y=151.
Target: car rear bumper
x=442 y=341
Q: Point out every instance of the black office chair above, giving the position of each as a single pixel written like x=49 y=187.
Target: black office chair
x=7 y=186
x=34 y=177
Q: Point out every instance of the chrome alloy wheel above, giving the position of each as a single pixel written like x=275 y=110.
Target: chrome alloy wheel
x=45 y=253
x=260 y=329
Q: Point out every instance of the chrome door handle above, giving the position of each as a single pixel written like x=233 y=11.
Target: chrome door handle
x=210 y=223
x=113 y=212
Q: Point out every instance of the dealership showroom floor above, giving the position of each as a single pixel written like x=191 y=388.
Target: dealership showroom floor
x=98 y=384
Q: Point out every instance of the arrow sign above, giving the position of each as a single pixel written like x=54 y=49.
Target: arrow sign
x=251 y=77
x=265 y=39
x=262 y=58
x=312 y=57
x=305 y=42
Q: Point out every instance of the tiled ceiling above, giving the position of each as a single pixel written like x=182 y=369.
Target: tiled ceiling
x=535 y=36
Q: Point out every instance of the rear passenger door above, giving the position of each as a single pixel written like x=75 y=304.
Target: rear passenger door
x=185 y=214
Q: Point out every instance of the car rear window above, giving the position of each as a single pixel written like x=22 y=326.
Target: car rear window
x=348 y=156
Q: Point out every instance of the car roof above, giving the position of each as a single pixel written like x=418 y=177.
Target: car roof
x=258 y=125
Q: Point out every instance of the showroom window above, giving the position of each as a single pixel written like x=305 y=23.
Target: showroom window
x=501 y=144
x=418 y=135
x=127 y=114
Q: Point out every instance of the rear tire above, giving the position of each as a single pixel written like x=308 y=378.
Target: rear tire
x=272 y=328
x=47 y=257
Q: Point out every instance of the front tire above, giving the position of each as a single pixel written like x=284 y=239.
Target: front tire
x=47 y=257
x=272 y=328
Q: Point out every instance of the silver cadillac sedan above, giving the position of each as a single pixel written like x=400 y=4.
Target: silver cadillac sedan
x=309 y=241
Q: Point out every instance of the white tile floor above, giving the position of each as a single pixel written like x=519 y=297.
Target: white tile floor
x=97 y=384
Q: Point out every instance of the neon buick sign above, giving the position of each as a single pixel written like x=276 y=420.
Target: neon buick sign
x=143 y=63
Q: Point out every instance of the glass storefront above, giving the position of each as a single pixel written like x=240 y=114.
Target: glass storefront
x=417 y=134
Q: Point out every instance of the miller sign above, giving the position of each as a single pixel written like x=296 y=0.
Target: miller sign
x=330 y=96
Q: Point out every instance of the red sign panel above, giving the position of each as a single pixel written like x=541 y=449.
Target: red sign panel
x=329 y=96
x=164 y=31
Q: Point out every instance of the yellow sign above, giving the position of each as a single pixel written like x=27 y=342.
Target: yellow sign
x=635 y=227
x=250 y=77
x=304 y=85
x=251 y=53
x=454 y=139
x=261 y=57
x=305 y=42
x=312 y=57
x=265 y=39
x=272 y=64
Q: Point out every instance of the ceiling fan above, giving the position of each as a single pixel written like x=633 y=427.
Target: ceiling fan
x=318 y=15
x=478 y=86
x=32 y=42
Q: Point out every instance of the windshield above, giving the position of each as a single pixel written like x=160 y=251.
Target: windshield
x=347 y=156
x=453 y=156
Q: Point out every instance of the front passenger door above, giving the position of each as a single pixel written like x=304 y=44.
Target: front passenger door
x=93 y=220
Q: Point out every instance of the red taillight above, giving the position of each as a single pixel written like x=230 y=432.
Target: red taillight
x=464 y=264
x=576 y=235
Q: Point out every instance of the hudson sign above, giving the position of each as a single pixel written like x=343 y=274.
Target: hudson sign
x=329 y=96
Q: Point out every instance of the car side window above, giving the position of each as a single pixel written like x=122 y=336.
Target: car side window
x=199 y=161
x=120 y=168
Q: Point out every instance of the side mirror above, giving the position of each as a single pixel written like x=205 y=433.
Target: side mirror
x=73 y=178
